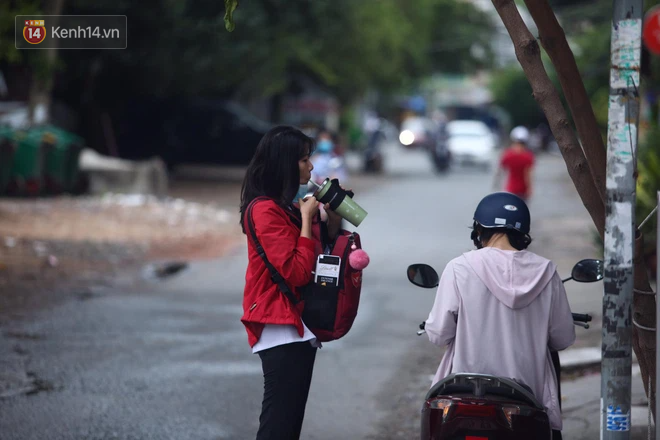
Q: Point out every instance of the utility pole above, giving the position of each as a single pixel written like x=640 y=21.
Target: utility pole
x=623 y=120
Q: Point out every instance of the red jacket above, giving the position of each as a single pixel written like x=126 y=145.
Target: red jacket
x=293 y=256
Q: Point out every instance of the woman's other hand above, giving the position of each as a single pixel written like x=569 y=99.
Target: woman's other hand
x=332 y=215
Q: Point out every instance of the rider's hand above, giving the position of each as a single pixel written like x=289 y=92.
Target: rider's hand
x=309 y=207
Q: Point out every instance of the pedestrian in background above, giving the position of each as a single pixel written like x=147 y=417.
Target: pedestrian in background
x=518 y=162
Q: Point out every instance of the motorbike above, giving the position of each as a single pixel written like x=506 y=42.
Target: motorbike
x=373 y=156
x=439 y=150
x=473 y=406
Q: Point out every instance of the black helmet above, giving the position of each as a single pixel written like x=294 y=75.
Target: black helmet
x=503 y=210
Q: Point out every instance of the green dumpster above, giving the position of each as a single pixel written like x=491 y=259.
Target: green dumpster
x=26 y=174
x=61 y=152
x=7 y=149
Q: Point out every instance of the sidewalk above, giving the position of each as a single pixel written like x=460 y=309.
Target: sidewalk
x=581 y=408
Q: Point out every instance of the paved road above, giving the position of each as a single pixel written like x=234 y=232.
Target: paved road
x=171 y=361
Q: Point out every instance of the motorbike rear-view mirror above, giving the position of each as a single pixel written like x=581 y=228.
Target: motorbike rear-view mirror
x=588 y=271
x=423 y=275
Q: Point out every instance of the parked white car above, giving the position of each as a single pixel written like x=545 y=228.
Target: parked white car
x=471 y=142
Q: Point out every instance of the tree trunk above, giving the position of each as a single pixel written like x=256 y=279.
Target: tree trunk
x=554 y=42
x=41 y=87
x=529 y=56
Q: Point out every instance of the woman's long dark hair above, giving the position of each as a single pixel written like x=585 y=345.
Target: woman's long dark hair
x=273 y=171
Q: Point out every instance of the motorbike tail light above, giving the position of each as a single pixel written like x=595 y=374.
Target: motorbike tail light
x=442 y=404
x=474 y=410
x=509 y=412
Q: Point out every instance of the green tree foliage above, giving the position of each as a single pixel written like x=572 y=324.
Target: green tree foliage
x=648 y=183
x=578 y=15
x=8 y=12
x=511 y=91
x=468 y=32
x=182 y=47
x=230 y=7
x=8 y=53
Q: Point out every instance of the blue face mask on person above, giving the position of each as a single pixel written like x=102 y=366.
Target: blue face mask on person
x=324 y=146
x=302 y=192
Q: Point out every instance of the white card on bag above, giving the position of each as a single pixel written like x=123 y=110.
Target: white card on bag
x=327 y=270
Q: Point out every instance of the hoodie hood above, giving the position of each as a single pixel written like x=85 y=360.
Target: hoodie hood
x=515 y=278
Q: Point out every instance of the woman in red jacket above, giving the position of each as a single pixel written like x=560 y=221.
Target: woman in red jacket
x=278 y=173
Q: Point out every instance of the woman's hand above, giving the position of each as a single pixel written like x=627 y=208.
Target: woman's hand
x=309 y=207
x=334 y=222
x=333 y=217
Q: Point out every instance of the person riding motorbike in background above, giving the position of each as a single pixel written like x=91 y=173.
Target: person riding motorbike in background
x=501 y=309
x=327 y=159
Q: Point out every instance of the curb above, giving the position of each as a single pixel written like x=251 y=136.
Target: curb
x=574 y=359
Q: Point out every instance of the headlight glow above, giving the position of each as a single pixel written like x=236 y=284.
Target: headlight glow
x=407 y=137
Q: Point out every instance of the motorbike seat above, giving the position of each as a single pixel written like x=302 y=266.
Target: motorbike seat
x=480 y=385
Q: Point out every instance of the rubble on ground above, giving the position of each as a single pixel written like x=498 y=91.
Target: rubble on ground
x=44 y=242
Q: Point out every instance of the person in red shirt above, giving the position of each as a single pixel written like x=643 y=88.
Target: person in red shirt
x=518 y=161
x=275 y=186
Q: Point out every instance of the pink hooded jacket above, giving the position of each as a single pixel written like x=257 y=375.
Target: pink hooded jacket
x=499 y=312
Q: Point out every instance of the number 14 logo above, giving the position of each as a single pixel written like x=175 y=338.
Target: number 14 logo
x=34 y=31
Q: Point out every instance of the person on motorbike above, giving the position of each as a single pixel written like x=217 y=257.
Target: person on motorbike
x=501 y=309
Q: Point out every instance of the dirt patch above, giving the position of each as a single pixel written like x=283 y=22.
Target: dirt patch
x=130 y=219
x=74 y=244
x=154 y=227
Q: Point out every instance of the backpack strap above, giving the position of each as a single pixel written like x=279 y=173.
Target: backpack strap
x=274 y=274
x=325 y=235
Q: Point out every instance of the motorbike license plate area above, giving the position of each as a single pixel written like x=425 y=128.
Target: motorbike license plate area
x=478 y=425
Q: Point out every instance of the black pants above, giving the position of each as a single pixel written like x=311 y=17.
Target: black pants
x=556 y=435
x=287 y=377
